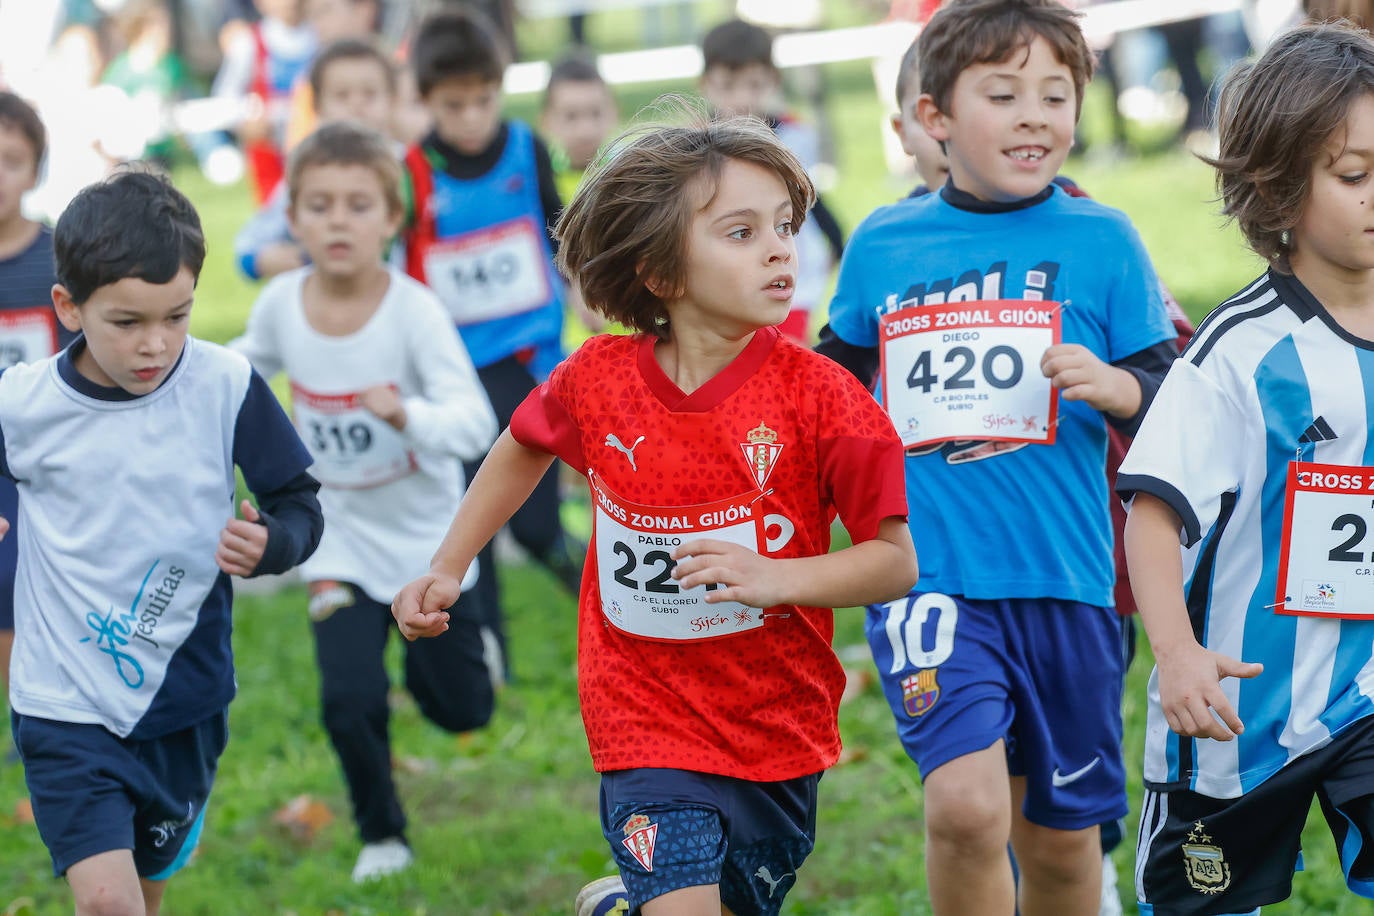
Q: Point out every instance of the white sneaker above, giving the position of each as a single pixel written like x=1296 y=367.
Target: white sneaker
x=382 y=858
x=603 y=897
x=1110 y=903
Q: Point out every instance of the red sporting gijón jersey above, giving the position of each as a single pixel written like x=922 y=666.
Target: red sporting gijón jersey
x=766 y=453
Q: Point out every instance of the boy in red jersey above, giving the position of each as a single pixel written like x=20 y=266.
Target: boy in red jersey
x=717 y=453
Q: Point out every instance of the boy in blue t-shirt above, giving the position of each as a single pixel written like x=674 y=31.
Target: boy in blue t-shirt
x=479 y=233
x=28 y=325
x=124 y=448
x=1015 y=323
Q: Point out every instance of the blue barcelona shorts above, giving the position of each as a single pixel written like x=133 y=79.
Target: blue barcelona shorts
x=1043 y=675
x=671 y=829
x=95 y=792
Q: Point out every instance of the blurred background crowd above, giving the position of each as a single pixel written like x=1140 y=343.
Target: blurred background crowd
x=222 y=83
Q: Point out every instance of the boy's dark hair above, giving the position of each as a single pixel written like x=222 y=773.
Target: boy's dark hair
x=908 y=72
x=576 y=67
x=1275 y=117
x=626 y=227
x=132 y=224
x=963 y=33
x=736 y=44
x=17 y=114
x=348 y=49
x=345 y=143
x=457 y=44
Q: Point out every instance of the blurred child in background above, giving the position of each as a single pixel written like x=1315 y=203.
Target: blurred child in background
x=29 y=330
x=350 y=80
x=262 y=62
x=387 y=401
x=739 y=78
x=480 y=235
x=579 y=114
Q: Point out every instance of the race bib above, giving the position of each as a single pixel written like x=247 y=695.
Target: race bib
x=353 y=448
x=969 y=370
x=27 y=335
x=490 y=273
x=1326 y=559
x=634 y=546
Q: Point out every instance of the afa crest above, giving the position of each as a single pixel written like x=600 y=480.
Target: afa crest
x=761 y=449
x=920 y=691
x=1205 y=863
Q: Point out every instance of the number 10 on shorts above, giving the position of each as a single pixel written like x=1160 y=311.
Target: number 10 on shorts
x=969 y=370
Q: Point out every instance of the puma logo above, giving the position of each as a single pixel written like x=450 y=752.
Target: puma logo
x=768 y=878
x=613 y=441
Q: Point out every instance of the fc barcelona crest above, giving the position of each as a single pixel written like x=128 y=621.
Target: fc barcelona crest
x=920 y=691
x=1205 y=863
x=761 y=449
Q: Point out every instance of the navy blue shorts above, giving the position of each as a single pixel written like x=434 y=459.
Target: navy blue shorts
x=1043 y=675
x=95 y=792
x=671 y=829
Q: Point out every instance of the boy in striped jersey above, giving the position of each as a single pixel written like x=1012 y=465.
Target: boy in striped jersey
x=1257 y=456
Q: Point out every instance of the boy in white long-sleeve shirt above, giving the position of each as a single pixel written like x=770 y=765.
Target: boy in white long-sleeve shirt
x=386 y=398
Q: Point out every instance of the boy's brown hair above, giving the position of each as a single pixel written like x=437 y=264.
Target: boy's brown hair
x=736 y=44
x=457 y=44
x=348 y=49
x=1275 y=117
x=17 y=114
x=345 y=143
x=575 y=67
x=968 y=32
x=909 y=73
x=1360 y=12
x=626 y=229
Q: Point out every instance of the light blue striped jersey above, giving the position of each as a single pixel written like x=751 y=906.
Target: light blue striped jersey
x=1265 y=369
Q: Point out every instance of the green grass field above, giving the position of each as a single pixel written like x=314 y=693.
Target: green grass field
x=504 y=821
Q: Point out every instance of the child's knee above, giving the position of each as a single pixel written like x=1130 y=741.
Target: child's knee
x=966 y=810
x=463 y=711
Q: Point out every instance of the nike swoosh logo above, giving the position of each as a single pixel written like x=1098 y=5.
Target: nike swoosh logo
x=1063 y=779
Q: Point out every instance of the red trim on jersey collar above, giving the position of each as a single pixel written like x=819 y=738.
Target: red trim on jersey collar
x=722 y=384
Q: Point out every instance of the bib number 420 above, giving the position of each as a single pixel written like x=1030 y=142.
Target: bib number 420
x=1001 y=367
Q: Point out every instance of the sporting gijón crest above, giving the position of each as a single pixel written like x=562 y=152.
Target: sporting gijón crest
x=761 y=449
x=639 y=839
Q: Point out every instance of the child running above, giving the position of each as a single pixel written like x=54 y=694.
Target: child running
x=1256 y=456
x=123 y=447
x=1017 y=323
x=717 y=453
x=388 y=402
x=29 y=330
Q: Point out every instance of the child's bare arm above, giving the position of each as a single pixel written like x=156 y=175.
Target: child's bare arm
x=1189 y=674
x=505 y=481
x=869 y=572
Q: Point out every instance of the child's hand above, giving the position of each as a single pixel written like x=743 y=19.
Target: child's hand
x=1081 y=376
x=242 y=543
x=385 y=404
x=741 y=574
x=421 y=608
x=1190 y=692
x=4 y=527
